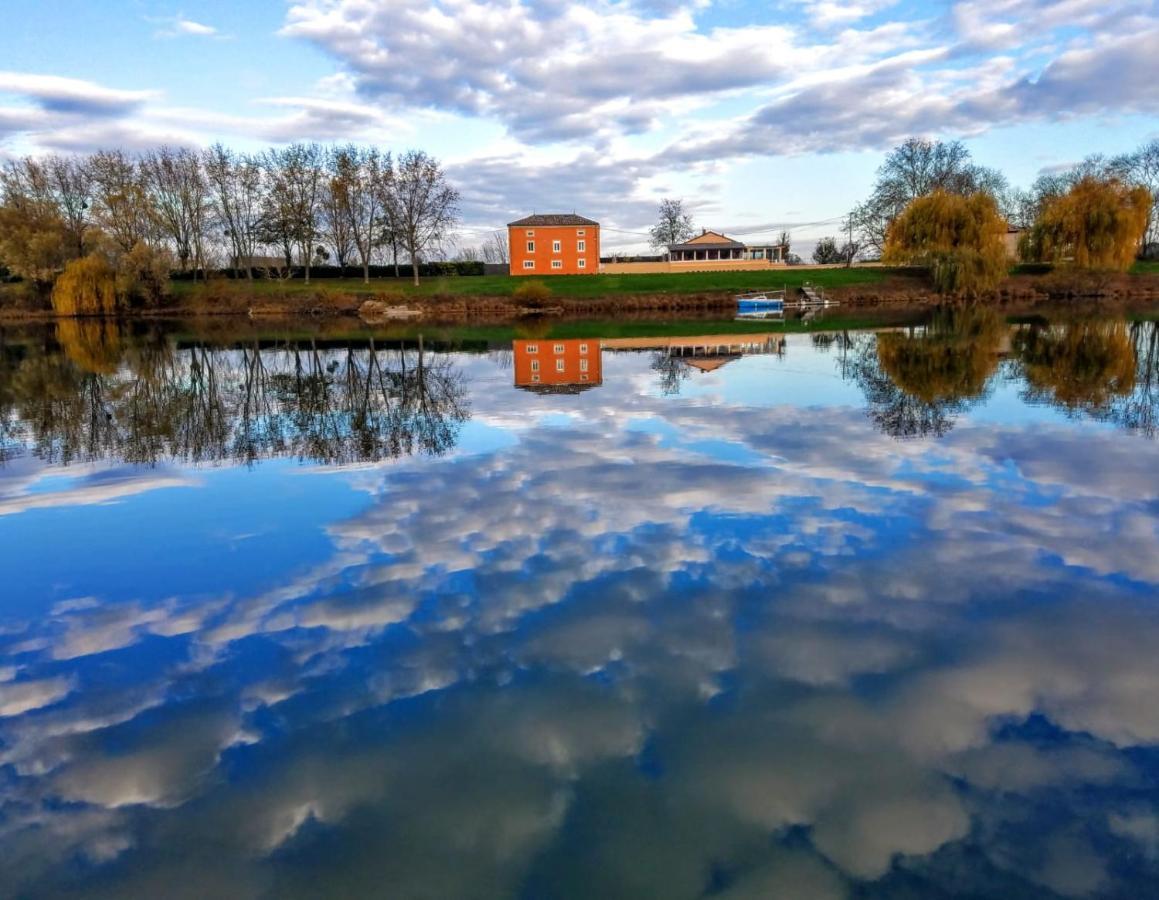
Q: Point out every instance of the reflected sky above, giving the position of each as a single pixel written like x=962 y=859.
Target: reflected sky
x=861 y=617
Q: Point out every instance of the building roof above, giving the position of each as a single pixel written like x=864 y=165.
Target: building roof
x=545 y=220
x=709 y=240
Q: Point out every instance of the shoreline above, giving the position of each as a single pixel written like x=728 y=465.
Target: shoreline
x=1026 y=294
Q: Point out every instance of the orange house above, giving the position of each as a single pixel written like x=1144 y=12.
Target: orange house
x=554 y=244
x=558 y=366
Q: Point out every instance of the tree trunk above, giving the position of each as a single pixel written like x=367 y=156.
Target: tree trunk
x=414 y=266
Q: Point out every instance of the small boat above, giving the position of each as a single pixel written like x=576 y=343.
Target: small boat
x=761 y=301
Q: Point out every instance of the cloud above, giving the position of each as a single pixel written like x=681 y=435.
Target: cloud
x=72 y=96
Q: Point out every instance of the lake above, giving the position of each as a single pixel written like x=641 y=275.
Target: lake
x=657 y=610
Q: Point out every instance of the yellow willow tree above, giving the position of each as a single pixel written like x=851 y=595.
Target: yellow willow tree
x=1079 y=366
x=86 y=287
x=1098 y=224
x=959 y=239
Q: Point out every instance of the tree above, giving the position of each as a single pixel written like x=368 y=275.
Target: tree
x=366 y=175
x=785 y=240
x=495 y=248
x=121 y=201
x=338 y=186
x=1098 y=224
x=960 y=240
x=1083 y=366
x=235 y=183
x=674 y=225
x=35 y=241
x=912 y=170
x=178 y=195
x=1142 y=168
x=294 y=193
x=426 y=206
x=826 y=252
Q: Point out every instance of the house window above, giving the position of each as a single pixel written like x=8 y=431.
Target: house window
x=556 y=246
x=558 y=348
x=529 y=263
x=583 y=378
x=581 y=232
x=531 y=246
x=581 y=263
x=581 y=246
x=530 y=232
x=583 y=348
x=533 y=348
x=535 y=378
x=560 y=365
x=557 y=263
x=583 y=365
x=535 y=365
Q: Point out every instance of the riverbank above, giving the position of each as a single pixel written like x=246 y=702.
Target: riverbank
x=496 y=298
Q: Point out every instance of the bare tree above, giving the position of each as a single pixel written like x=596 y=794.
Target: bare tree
x=70 y=182
x=495 y=248
x=673 y=226
x=235 y=183
x=426 y=206
x=178 y=196
x=294 y=194
x=335 y=204
x=365 y=175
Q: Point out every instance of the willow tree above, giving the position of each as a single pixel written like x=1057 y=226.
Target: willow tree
x=1098 y=224
x=1081 y=366
x=86 y=287
x=959 y=239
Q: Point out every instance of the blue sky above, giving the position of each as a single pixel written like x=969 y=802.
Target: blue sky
x=754 y=113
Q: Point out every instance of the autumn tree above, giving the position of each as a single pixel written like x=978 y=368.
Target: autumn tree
x=121 y=199
x=294 y=193
x=673 y=226
x=959 y=239
x=826 y=252
x=1098 y=224
x=425 y=205
x=338 y=184
x=35 y=240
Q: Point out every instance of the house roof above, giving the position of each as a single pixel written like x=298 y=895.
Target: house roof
x=545 y=220
x=709 y=240
x=707 y=363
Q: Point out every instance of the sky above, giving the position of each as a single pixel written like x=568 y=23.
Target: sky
x=758 y=115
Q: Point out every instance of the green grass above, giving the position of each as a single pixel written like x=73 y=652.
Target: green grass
x=567 y=285
x=1146 y=267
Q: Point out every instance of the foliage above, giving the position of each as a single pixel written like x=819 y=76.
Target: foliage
x=93 y=344
x=959 y=239
x=533 y=293
x=143 y=274
x=425 y=205
x=1099 y=223
x=86 y=287
x=674 y=225
x=1080 y=366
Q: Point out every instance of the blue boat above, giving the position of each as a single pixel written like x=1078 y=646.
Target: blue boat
x=761 y=301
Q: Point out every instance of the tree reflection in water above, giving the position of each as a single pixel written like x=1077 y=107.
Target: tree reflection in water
x=918 y=381
x=147 y=400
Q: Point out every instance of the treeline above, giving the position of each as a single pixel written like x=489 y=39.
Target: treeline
x=137 y=217
x=932 y=205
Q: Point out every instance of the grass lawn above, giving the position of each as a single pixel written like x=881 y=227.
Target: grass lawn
x=568 y=285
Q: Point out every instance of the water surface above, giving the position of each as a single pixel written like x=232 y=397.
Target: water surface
x=849 y=614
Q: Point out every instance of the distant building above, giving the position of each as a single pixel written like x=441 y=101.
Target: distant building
x=1013 y=236
x=714 y=247
x=558 y=366
x=554 y=244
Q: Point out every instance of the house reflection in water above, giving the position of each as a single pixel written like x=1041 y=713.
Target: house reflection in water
x=571 y=365
x=706 y=353
x=557 y=365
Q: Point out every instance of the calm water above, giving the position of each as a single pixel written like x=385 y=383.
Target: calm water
x=841 y=615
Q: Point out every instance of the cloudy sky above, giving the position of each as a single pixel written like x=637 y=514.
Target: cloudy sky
x=758 y=114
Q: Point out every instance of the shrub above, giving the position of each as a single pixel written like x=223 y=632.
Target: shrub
x=533 y=293
x=86 y=287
